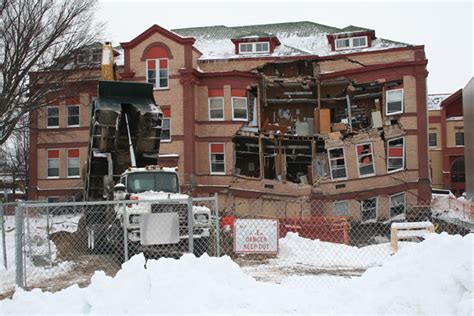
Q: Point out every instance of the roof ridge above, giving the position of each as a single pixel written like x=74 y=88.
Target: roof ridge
x=198 y=27
x=286 y=23
x=256 y=25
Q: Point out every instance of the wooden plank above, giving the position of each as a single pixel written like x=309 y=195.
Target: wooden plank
x=316 y=124
x=325 y=121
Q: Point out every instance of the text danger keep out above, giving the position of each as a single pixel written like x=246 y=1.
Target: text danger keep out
x=256 y=243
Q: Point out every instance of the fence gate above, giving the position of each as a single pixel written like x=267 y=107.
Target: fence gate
x=55 y=245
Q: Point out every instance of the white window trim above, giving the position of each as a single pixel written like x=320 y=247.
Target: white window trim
x=254 y=48
x=210 y=160
x=47 y=116
x=345 y=163
x=376 y=210
x=171 y=138
x=436 y=146
x=59 y=164
x=386 y=102
x=67 y=170
x=67 y=115
x=351 y=42
x=246 y=112
x=390 y=203
x=403 y=157
x=358 y=163
x=348 y=211
x=157 y=73
x=209 y=109
x=458 y=131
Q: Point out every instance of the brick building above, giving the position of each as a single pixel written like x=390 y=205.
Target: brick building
x=59 y=133
x=446 y=141
x=286 y=110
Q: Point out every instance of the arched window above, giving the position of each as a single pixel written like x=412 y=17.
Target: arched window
x=156 y=57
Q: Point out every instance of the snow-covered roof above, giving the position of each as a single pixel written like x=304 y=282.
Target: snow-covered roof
x=455 y=118
x=434 y=101
x=297 y=39
x=151 y=169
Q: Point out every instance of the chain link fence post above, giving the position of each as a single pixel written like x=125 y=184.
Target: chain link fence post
x=190 y=225
x=50 y=256
x=125 y=231
x=20 y=280
x=4 y=243
x=217 y=223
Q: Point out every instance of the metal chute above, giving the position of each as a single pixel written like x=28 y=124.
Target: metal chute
x=111 y=137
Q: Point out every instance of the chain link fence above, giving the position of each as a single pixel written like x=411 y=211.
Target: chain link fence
x=305 y=242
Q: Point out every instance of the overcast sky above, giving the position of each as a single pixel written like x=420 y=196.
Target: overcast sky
x=445 y=28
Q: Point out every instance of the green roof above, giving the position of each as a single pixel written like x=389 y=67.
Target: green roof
x=353 y=28
x=304 y=28
x=297 y=38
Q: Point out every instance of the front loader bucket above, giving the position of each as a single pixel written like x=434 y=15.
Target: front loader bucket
x=108 y=132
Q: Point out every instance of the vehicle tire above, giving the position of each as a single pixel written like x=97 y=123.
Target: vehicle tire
x=115 y=241
x=200 y=246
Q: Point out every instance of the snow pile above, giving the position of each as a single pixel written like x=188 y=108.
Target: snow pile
x=295 y=249
x=315 y=263
x=432 y=277
x=449 y=208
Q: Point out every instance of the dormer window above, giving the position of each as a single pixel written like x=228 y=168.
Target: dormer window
x=252 y=43
x=351 y=39
x=351 y=42
x=255 y=47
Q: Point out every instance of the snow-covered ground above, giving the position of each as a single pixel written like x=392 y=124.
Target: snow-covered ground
x=316 y=263
x=433 y=277
x=37 y=256
x=449 y=208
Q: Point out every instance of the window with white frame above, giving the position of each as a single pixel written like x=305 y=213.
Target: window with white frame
x=157 y=72
x=52 y=116
x=73 y=115
x=52 y=164
x=216 y=108
x=217 y=158
x=433 y=139
x=395 y=154
x=166 y=127
x=337 y=163
x=397 y=204
x=368 y=209
x=351 y=42
x=459 y=135
x=341 y=208
x=239 y=109
x=365 y=160
x=394 y=101
x=256 y=47
x=73 y=163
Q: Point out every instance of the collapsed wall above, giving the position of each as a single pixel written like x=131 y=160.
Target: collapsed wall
x=344 y=139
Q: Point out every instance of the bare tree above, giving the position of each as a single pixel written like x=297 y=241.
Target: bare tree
x=40 y=39
x=14 y=153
